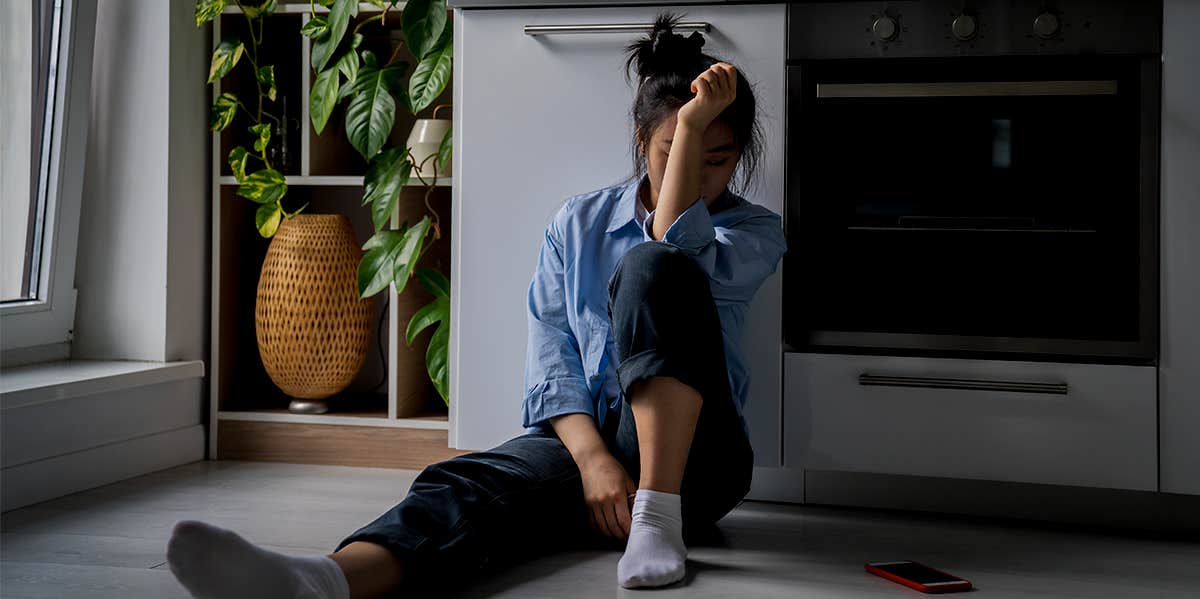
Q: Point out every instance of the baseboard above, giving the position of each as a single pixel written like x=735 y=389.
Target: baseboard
x=46 y=479
x=1093 y=509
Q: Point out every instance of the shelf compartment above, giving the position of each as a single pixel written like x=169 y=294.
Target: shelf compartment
x=330 y=152
x=280 y=46
x=334 y=180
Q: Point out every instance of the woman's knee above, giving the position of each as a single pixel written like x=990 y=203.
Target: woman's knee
x=653 y=265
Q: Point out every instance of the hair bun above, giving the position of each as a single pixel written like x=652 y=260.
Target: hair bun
x=663 y=51
x=668 y=44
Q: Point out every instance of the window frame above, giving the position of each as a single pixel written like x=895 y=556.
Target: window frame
x=49 y=320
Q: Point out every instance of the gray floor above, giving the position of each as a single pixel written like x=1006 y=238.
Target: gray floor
x=111 y=542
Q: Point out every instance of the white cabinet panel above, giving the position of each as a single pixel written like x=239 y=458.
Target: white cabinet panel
x=1179 y=410
x=539 y=119
x=1100 y=431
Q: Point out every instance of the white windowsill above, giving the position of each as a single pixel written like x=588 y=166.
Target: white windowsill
x=52 y=381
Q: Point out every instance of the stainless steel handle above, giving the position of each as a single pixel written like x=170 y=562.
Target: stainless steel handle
x=971 y=384
x=613 y=28
x=966 y=89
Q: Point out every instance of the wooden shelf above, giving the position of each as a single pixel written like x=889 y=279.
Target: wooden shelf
x=248 y=413
x=334 y=180
x=379 y=418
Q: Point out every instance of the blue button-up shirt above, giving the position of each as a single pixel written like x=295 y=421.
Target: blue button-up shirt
x=571 y=354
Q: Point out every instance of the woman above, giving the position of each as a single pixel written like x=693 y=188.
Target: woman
x=653 y=277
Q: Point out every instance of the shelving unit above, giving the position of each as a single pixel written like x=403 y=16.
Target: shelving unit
x=248 y=413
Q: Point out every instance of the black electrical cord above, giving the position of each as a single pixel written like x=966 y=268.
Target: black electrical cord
x=379 y=341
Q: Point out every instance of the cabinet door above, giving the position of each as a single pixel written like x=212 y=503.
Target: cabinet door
x=539 y=119
x=1090 y=425
x=1179 y=364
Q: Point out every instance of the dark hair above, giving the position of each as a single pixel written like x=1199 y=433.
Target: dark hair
x=666 y=64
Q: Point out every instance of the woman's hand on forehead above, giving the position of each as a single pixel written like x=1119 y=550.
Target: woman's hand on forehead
x=715 y=90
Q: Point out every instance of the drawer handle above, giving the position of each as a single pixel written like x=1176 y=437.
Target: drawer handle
x=612 y=28
x=966 y=89
x=972 y=384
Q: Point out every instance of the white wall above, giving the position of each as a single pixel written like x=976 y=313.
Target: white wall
x=141 y=272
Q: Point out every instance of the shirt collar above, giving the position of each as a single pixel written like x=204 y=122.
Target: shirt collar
x=625 y=211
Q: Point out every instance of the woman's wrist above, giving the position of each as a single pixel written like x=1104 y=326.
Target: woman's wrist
x=579 y=434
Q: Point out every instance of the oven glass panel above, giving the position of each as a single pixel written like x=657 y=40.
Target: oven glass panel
x=999 y=200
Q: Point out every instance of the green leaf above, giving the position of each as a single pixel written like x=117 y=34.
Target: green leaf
x=225 y=57
x=237 y=162
x=372 y=111
x=266 y=76
x=207 y=10
x=339 y=17
x=264 y=187
x=377 y=265
x=348 y=63
x=263 y=131
x=432 y=74
x=322 y=98
x=262 y=10
x=436 y=360
x=223 y=110
x=410 y=250
x=325 y=3
x=429 y=314
x=315 y=28
x=434 y=282
x=385 y=179
x=266 y=218
x=422 y=22
x=445 y=149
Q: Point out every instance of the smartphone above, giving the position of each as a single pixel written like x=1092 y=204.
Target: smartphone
x=918 y=576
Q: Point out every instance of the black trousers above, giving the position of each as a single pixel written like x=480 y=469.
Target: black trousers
x=524 y=497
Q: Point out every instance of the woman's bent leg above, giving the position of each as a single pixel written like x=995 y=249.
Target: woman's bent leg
x=480 y=510
x=669 y=339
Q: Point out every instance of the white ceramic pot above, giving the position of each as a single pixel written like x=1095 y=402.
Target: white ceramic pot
x=424 y=141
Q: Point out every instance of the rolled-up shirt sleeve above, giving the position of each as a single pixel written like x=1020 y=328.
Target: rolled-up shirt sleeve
x=554 y=378
x=737 y=257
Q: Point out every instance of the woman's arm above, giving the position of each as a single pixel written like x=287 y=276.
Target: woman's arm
x=681 y=177
x=555 y=383
x=715 y=89
x=578 y=432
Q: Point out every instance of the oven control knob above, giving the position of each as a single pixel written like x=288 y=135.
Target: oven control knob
x=885 y=28
x=1046 y=25
x=964 y=27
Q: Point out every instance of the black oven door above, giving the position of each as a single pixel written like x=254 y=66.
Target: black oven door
x=978 y=205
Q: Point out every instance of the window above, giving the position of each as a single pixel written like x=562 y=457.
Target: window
x=45 y=56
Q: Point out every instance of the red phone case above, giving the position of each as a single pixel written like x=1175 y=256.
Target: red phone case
x=960 y=584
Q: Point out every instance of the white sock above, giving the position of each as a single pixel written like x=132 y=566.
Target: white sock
x=655 y=553
x=217 y=563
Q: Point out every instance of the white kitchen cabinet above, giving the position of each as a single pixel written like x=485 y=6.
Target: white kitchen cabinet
x=1087 y=425
x=539 y=119
x=1179 y=365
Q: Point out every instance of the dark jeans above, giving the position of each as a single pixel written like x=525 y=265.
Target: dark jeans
x=524 y=497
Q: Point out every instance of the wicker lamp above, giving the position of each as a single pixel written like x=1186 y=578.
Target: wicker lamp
x=313 y=329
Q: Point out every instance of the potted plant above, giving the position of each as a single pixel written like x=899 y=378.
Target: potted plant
x=371 y=89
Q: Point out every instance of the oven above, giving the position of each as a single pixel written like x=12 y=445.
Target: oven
x=988 y=190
